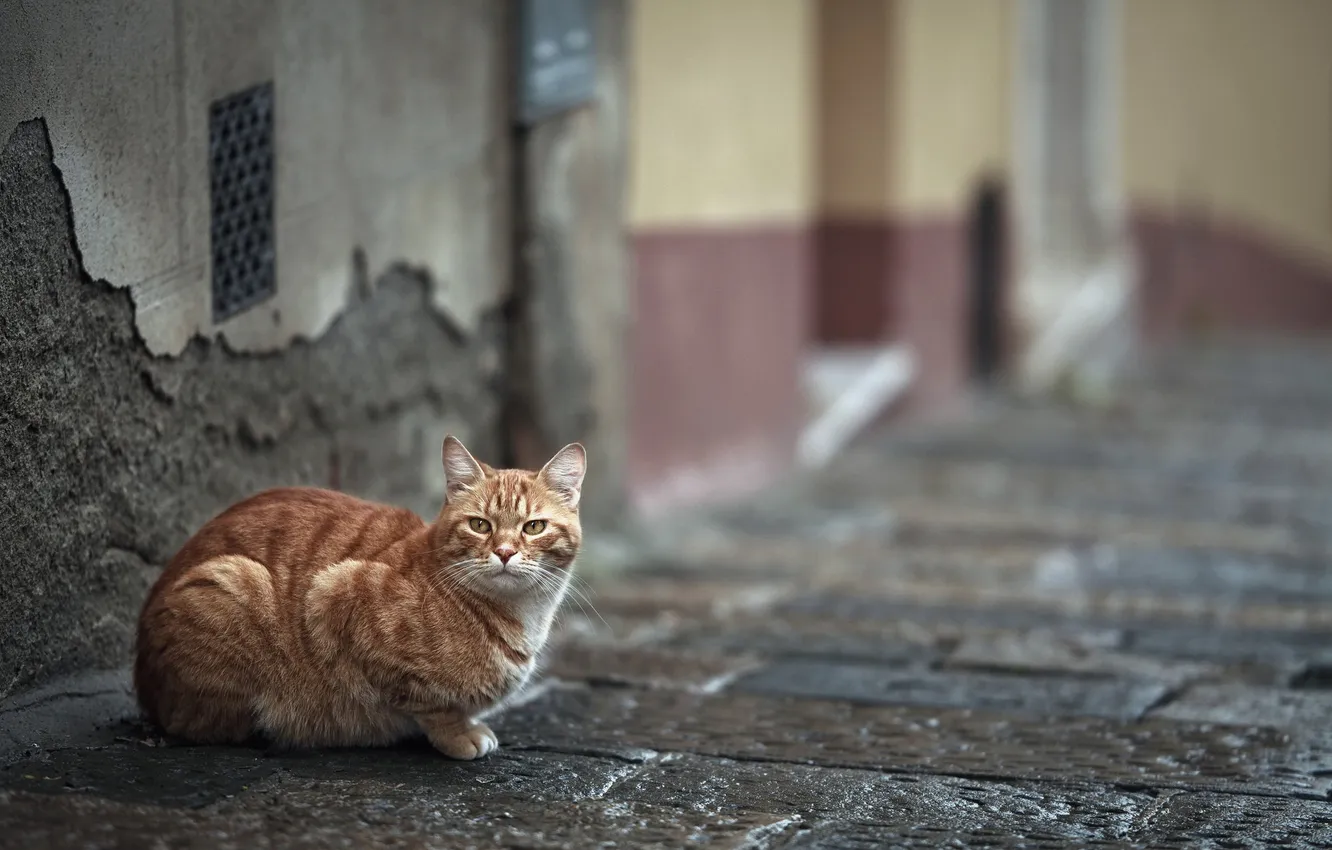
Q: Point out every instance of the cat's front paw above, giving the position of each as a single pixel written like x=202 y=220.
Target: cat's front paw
x=473 y=742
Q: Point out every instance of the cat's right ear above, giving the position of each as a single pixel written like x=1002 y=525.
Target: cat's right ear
x=461 y=471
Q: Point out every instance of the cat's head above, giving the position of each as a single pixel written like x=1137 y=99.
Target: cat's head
x=511 y=531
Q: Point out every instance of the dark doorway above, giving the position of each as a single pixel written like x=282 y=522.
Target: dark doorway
x=987 y=280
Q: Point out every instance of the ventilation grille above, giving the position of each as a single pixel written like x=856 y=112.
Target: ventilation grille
x=240 y=169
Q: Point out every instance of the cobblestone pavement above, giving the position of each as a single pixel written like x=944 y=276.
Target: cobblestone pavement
x=1041 y=627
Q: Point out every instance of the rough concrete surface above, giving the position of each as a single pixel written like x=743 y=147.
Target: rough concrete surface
x=111 y=457
x=838 y=666
x=392 y=135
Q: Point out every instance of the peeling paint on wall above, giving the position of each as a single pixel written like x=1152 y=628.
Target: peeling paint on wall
x=390 y=134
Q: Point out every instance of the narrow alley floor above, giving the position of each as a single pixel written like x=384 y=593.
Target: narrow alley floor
x=1040 y=627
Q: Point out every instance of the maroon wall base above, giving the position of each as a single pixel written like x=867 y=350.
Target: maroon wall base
x=1202 y=274
x=853 y=281
x=722 y=322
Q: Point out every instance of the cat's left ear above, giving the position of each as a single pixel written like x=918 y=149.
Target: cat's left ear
x=461 y=471
x=564 y=473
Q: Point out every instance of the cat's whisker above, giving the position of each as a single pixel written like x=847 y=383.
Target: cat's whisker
x=537 y=576
x=577 y=594
x=551 y=583
x=581 y=608
x=457 y=575
x=548 y=576
x=580 y=582
x=468 y=578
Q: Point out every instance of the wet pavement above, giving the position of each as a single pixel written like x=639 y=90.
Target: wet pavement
x=1042 y=626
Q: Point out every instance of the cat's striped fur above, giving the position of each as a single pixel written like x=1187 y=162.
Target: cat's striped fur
x=314 y=618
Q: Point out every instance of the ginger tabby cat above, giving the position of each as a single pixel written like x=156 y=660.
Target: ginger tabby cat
x=316 y=619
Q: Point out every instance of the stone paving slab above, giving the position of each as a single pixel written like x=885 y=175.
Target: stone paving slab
x=300 y=819
x=406 y=796
x=189 y=777
x=1211 y=574
x=633 y=666
x=1018 y=695
x=992 y=505
x=924 y=519
x=1258 y=645
x=1041 y=651
x=1072 y=575
x=1210 y=820
x=1233 y=704
x=916 y=523
x=647 y=599
x=1184 y=820
x=901 y=643
x=923 y=638
x=1161 y=459
x=1247 y=759
x=371 y=816
x=858 y=836
x=73 y=712
x=1148 y=493
x=1026 y=551
x=823 y=794
x=1151 y=637
x=409 y=797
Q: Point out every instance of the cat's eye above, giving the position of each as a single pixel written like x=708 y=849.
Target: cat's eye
x=534 y=526
x=479 y=525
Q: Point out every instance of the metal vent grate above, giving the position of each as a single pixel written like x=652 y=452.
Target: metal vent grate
x=240 y=168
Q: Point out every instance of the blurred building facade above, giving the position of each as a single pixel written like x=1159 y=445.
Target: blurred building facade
x=1028 y=186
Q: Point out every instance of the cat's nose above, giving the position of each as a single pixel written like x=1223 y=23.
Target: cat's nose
x=504 y=553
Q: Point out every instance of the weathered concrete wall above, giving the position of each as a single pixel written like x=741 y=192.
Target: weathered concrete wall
x=571 y=374
x=110 y=457
x=391 y=133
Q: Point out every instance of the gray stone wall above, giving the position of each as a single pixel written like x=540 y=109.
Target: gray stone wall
x=110 y=456
x=390 y=133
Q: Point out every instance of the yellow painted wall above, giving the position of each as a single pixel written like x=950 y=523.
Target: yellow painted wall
x=770 y=110
x=952 y=87
x=915 y=100
x=1228 y=106
x=722 y=123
